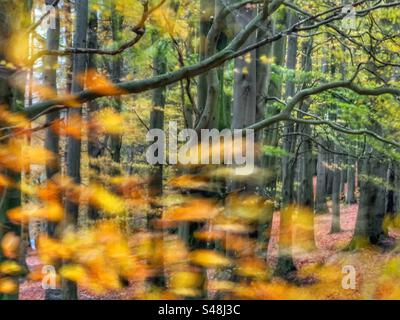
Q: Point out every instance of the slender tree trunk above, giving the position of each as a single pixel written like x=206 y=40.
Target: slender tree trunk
x=320 y=198
x=263 y=79
x=285 y=264
x=206 y=16
x=52 y=140
x=289 y=141
x=74 y=143
x=157 y=121
x=351 y=181
x=116 y=74
x=396 y=183
x=390 y=204
x=275 y=91
x=306 y=164
x=343 y=177
x=306 y=194
x=95 y=149
x=245 y=86
x=336 y=194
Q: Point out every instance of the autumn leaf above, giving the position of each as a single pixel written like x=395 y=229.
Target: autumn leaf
x=50 y=211
x=12 y=118
x=72 y=127
x=108 y=121
x=238 y=243
x=209 y=259
x=189 y=182
x=8 y=286
x=74 y=273
x=10 y=245
x=194 y=210
x=249 y=207
x=186 y=283
x=220 y=285
x=5 y=181
x=105 y=200
x=16 y=155
x=51 y=250
x=10 y=268
x=99 y=83
x=211 y=235
x=252 y=267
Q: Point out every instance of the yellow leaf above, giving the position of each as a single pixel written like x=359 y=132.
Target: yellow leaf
x=108 y=121
x=51 y=211
x=266 y=60
x=249 y=207
x=220 y=285
x=10 y=267
x=10 y=245
x=185 y=279
x=209 y=259
x=8 y=286
x=195 y=210
x=105 y=200
x=99 y=83
x=74 y=273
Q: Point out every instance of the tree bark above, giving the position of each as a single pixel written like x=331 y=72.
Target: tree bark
x=289 y=141
x=351 y=182
x=116 y=74
x=285 y=264
x=74 y=143
x=371 y=210
x=95 y=148
x=320 y=198
x=335 y=227
x=52 y=139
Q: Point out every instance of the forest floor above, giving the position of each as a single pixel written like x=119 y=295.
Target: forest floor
x=327 y=251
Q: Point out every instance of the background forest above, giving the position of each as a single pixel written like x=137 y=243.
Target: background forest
x=83 y=215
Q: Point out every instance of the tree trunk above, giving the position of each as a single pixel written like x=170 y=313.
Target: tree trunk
x=52 y=139
x=306 y=194
x=396 y=170
x=116 y=74
x=371 y=210
x=74 y=143
x=390 y=204
x=245 y=86
x=206 y=17
x=95 y=149
x=343 y=177
x=320 y=198
x=285 y=264
x=289 y=141
x=351 y=181
x=157 y=121
x=335 y=227
x=275 y=91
